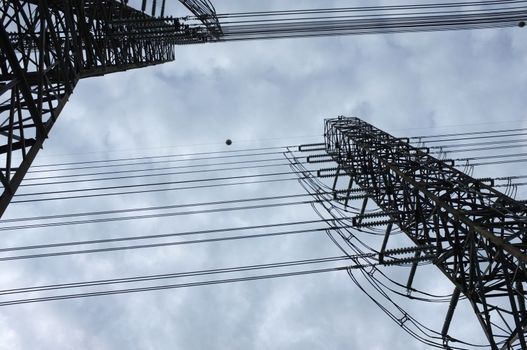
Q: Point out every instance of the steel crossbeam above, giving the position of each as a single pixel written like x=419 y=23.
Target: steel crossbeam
x=476 y=234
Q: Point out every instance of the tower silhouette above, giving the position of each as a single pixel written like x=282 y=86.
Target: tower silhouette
x=48 y=46
x=474 y=234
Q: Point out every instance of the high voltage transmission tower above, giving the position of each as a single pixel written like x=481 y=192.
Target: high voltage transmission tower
x=47 y=46
x=474 y=234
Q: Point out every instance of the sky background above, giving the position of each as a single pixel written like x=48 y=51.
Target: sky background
x=264 y=93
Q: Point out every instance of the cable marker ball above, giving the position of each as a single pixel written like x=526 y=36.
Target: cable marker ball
x=228 y=142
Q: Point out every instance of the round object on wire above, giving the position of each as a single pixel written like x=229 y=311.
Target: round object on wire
x=228 y=142
x=521 y=24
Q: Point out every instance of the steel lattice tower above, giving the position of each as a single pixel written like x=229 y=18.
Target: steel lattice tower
x=48 y=45
x=471 y=232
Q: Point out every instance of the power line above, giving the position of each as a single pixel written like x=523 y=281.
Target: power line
x=492 y=157
x=158 y=245
x=152 y=169
x=160 y=183
x=185 y=145
x=166 y=235
x=122 y=193
x=152 y=175
x=498 y=162
x=479 y=149
x=370 y=20
x=419 y=137
x=95 y=161
x=476 y=137
x=152 y=216
x=142 y=209
x=154 y=162
x=195 y=273
x=456 y=4
x=172 y=286
x=471 y=144
x=135 y=279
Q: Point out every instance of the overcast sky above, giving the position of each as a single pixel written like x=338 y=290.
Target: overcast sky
x=257 y=94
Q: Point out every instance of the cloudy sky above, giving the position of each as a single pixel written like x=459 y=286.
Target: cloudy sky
x=259 y=94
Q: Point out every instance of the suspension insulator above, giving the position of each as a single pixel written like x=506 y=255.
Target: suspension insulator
x=405 y=250
x=410 y=260
x=373 y=223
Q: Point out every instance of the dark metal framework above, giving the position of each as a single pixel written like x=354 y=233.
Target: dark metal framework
x=46 y=47
x=475 y=234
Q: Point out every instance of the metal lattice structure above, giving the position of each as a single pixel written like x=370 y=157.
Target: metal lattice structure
x=474 y=234
x=46 y=47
